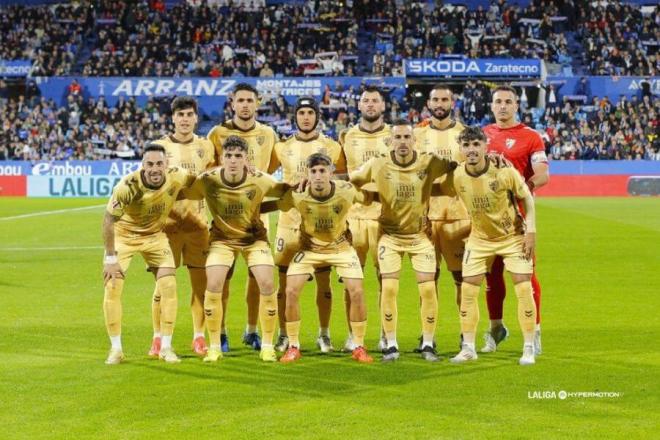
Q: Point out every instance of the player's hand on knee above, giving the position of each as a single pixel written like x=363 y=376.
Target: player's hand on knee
x=111 y=272
x=529 y=244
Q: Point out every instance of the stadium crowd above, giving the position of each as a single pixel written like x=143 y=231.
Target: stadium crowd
x=35 y=128
x=221 y=40
x=248 y=38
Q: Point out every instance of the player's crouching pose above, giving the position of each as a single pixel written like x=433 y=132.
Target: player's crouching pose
x=324 y=241
x=234 y=196
x=498 y=229
x=133 y=223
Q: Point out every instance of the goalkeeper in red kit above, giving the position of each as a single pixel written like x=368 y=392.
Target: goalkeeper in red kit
x=525 y=149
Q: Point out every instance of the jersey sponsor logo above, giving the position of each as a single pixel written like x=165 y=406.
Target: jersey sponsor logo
x=510 y=143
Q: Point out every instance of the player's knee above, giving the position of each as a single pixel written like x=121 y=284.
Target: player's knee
x=267 y=286
x=291 y=293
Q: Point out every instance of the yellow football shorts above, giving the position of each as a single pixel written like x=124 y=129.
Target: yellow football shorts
x=287 y=243
x=447 y=247
x=193 y=246
x=154 y=248
x=364 y=238
x=255 y=254
x=420 y=249
x=346 y=263
x=480 y=253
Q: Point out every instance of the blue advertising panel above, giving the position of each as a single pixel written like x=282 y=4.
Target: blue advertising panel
x=71 y=186
x=68 y=168
x=15 y=68
x=611 y=86
x=211 y=93
x=473 y=68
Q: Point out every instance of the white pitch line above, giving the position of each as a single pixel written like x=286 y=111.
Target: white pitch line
x=58 y=211
x=49 y=248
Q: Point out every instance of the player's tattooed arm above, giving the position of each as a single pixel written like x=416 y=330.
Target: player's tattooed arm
x=111 y=268
x=529 y=242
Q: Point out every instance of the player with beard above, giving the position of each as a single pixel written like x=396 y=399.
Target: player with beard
x=187 y=226
x=261 y=140
x=448 y=218
x=292 y=154
x=368 y=139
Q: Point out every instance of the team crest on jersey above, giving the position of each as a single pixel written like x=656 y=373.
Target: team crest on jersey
x=337 y=209
x=387 y=140
x=510 y=143
x=261 y=140
x=250 y=194
x=421 y=174
x=171 y=192
x=493 y=185
x=200 y=153
x=388 y=175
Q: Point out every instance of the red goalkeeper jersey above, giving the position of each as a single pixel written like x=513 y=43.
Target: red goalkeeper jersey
x=519 y=144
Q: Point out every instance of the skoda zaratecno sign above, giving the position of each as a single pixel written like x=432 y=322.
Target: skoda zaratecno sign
x=468 y=68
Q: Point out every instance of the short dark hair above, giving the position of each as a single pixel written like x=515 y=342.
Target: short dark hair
x=371 y=88
x=246 y=87
x=182 y=103
x=318 y=159
x=441 y=86
x=153 y=146
x=401 y=121
x=505 y=88
x=472 y=133
x=235 y=143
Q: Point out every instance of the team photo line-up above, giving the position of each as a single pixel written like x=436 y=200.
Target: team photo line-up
x=438 y=190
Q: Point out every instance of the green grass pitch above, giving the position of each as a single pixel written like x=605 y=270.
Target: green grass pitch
x=598 y=265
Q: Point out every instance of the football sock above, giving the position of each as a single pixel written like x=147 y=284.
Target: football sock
x=359 y=330
x=112 y=306
x=155 y=310
x=166 y=342
x=168 y=304
x=469 y=311
x=198 y=283
x=198 y=335
x=428 y=311
x=268 y=317
x=213 y=312
x=225 y=303
x=388 y=308
x=526 y=310
x=536 y=290
x=156 y=334
x=252 y=298
x=115 y=342
x=324 y=331
x=251 y=328
x=293 y=330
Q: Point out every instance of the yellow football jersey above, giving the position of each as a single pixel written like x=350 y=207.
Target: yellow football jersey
x=195 y=156
x=292 y=155
x=444 y=143
x=324 y=228
x=403 y=191
x=359 y=146
x=490 y=200
x=235 y=207
x=143 y=210
x=260 y=139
